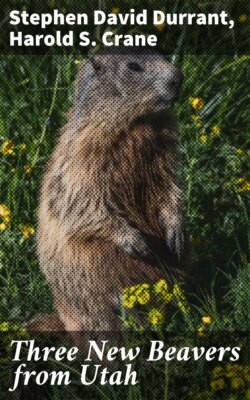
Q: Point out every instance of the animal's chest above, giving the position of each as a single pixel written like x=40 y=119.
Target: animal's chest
x=133 y=173
x=135 y=156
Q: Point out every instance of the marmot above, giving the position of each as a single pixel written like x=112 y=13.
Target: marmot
x=110 y=197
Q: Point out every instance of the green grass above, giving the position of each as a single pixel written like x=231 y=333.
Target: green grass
x=35 y=93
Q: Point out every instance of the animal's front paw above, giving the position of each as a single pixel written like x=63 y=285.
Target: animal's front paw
x=135 y=245
x=174 y=234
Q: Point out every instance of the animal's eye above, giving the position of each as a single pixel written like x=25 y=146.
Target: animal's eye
x=133 y=66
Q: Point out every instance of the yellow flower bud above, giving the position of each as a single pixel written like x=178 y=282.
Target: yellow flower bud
x=197 y=103
x=116 y=10
x=3 y=227
x=8 y=147
x=27 y=169
x=201 y=331
x=207 y=320
x=155 y=317
x=27 y=230
x=239 y=152
x=216 y=130
x=204 y=138
x=4 y=211
x=217 y=385
x=243 y=18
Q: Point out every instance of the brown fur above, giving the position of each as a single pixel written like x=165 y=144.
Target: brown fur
x=110 y=190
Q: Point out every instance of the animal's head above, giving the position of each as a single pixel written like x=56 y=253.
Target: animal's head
x=127 y=83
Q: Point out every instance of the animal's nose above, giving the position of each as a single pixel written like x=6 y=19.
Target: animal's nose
x=173 y=79
x=169 y=80
x=171 y=74
x=176 y=79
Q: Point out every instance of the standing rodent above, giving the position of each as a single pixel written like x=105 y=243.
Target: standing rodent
x=110 y=197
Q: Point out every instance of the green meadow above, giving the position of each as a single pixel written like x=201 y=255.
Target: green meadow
x=213 y=120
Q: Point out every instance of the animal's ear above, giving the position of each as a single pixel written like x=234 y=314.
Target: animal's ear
x=97 y=65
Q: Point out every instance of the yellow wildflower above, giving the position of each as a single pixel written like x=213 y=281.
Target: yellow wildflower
x=203 y=138
x=207 y=320
x=217 y=371
x=134 y=294
x=131 y=289
x=217 y=385
x=243 y=18
x=116 y=10
x=144 y=286
x=5 y=215
x=8 y=326
x=239 y=152
x=160 y=27
x=23 y=147
x=197 y=103
x=5 y=326
x=52 y=4
x=27 y=230
x=195 y=117
x=161 y=288
x=8 y=147
x=3 y=227
x=201 y=331
x=27 y=169
x=167 y=297
x=155 y=317
x=232 y=367
x=230 y=374
x=216 y=130
x=143 y=296
x=237 y=383
x=128 y=301
x=245 y=184
x=4 y=211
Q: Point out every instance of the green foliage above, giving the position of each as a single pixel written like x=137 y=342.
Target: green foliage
x=35 y=94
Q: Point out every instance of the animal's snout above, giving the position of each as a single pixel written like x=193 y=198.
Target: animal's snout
x=168 y=82
x=171 y=80
x=176 y=79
